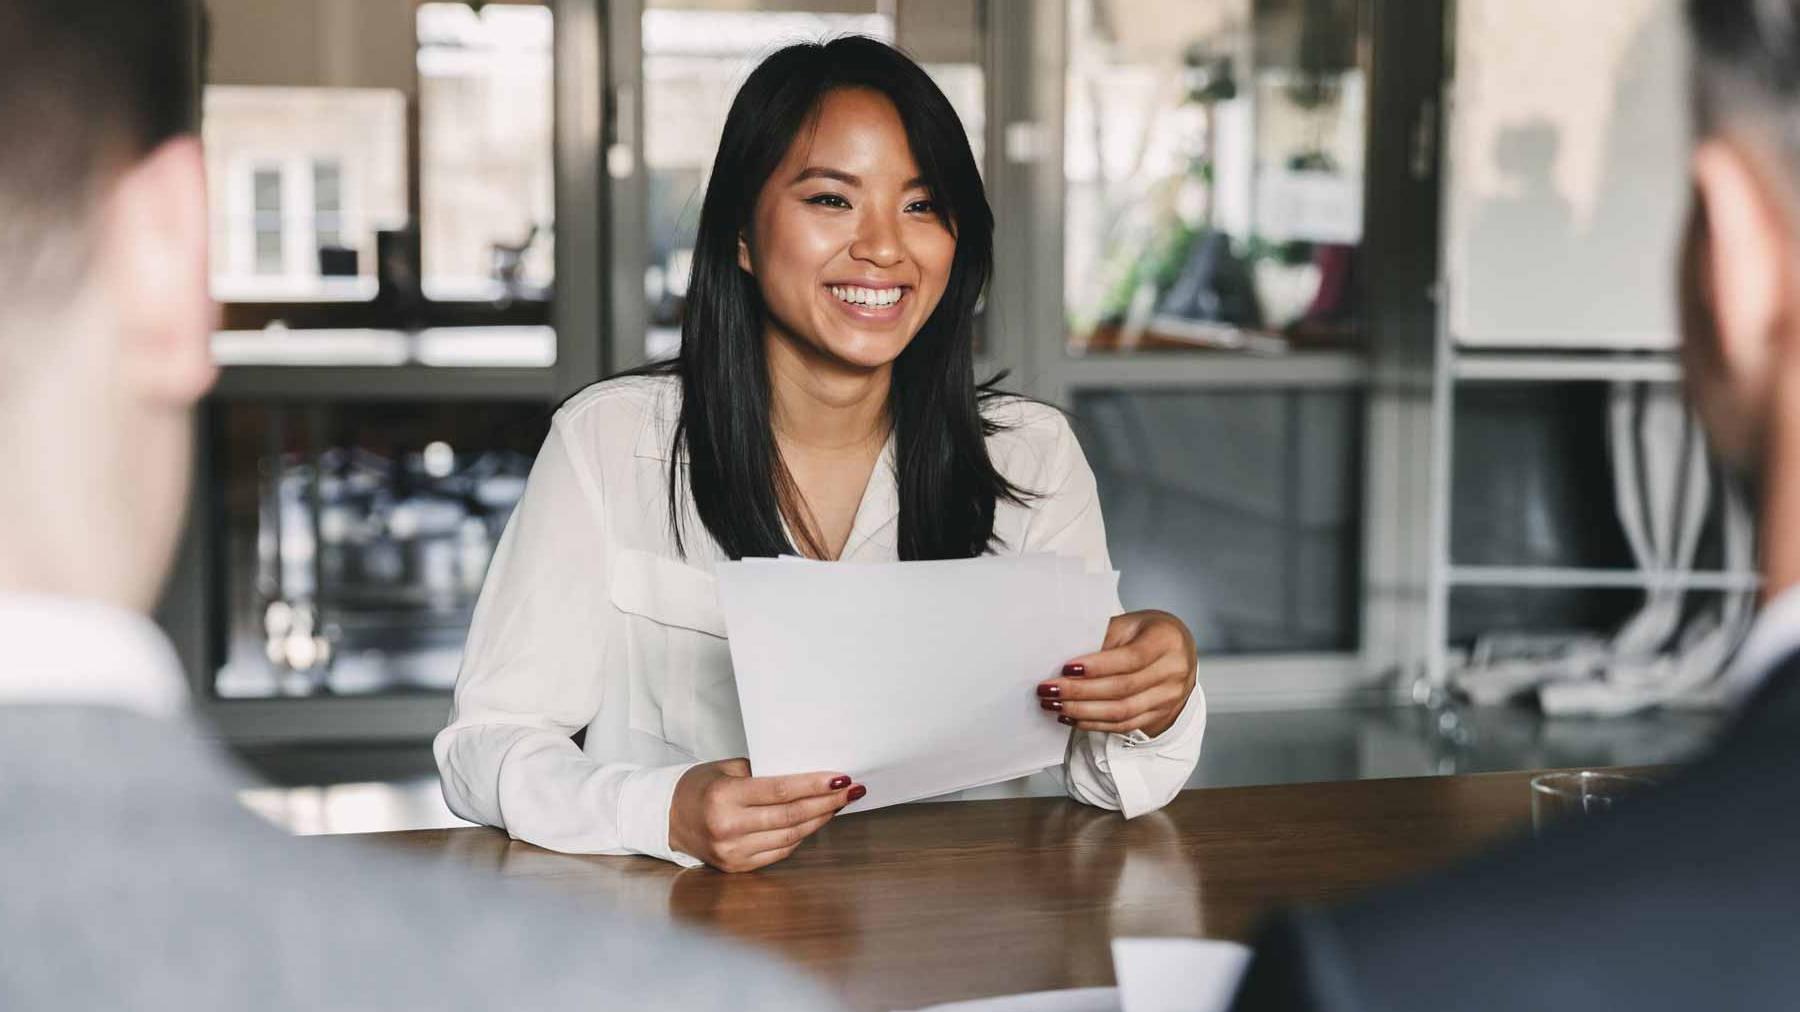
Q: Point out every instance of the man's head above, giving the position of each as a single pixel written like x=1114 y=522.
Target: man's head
x=1740 y=271
x=104 y=314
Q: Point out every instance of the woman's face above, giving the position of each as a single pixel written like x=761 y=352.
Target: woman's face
x=845 y=242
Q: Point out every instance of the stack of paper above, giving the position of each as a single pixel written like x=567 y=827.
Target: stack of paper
x=916 y=678
x=1177 y=974
x=1154 y=974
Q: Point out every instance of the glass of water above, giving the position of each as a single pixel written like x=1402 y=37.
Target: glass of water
x=1555 y=796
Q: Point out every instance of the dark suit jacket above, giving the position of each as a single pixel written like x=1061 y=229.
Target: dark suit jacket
x=1688 y=899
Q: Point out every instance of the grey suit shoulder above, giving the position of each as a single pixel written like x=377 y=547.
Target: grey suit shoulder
x=132 y=879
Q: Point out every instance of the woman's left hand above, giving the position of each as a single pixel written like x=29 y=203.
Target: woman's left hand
x=1138 y=681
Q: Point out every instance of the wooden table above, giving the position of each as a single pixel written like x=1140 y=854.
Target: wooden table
x=927 y=903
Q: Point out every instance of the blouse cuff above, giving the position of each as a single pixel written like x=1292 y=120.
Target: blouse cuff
x=644 y=803
x=1148 y=771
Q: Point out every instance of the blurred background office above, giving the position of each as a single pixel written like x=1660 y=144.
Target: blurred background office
x=1359 y=306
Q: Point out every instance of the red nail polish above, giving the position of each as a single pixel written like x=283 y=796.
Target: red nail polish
x=857 y=792
x=1049 y=691
x=1050 y=704
x=1074 y=670
x=839 y=783
x=1066 y=719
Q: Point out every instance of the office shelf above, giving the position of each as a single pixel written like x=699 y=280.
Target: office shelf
x=1458 y=366
x=455 y=363
x=1596 y=579
x=365 y=383
x=1499 y=367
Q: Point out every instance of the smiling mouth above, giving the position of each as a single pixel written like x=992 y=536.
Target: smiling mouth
x=867 y=300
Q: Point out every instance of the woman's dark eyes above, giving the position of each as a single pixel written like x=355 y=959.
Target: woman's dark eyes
x=832 y=200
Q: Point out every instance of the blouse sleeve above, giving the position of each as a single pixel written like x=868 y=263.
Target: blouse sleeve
x=1133 y=773
x=533 y=675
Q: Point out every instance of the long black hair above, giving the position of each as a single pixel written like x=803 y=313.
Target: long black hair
x=947 y=485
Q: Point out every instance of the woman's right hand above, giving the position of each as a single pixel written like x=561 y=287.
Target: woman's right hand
x=736 y=822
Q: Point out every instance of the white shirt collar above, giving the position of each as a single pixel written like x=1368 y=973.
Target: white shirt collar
x=1773 y=636
x=61 y=650
x=881 y=497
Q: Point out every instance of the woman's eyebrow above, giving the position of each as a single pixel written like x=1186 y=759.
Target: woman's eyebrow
x=839 y=175
x=817 y=172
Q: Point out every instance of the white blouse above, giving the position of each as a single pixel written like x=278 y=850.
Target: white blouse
x=590 y=619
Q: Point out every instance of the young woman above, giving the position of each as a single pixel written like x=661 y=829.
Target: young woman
x=823 y=402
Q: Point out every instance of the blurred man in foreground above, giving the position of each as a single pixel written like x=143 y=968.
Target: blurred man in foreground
x=129 y=876
x=1691 y=898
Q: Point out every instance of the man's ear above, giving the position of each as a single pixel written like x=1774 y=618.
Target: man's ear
x=1745 y=262
x=154 y=267
x=744 y=256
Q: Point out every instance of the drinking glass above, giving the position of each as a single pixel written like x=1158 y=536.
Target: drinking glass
x=1555 y=796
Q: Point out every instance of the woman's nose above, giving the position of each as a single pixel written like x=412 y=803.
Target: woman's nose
x=877 y=241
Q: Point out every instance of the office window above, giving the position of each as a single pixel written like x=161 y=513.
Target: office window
x=328 y=204
x=294 y=170
x=1214 y=163
x=1212 y=221
x=468 y=178
x=486 y=156
x=266 y=223
x=383 y=216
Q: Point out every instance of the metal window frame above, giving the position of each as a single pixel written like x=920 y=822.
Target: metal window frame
x=602 y=217
x=1401 y=233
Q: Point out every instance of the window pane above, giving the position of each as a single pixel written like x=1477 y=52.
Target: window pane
x=487 y=169
x=1214 y=160
x=697 y=53
x=1237 y=511
x=340 y=153
x=328 y=208
x=266 y=220
x=355 y=538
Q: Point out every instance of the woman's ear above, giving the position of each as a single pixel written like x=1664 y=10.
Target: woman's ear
x=744 y=255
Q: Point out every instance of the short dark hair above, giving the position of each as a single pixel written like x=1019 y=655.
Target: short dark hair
x=1746 y=68
x=86 y=88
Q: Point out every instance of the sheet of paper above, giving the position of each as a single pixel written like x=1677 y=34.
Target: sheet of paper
x=1079 y=999
x=916 y=678
x=1177 y=974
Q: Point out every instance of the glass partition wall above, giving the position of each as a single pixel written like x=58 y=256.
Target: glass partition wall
x=1214 y=341
x=433 y=220
x=396 y=188
x=1214 y=163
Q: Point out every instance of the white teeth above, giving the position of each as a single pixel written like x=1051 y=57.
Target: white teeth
x=876 y=297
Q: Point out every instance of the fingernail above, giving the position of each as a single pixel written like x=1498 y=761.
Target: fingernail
x=1074 y=670
x=857 y=792
x=1050 y=704
x=1066 y=719
x=839 y=783
x=1049 y=691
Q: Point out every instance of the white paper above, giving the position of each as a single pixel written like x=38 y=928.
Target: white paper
x=1312 y=206
x=1177 y=974
x=1078 y=999
x=915 y=678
